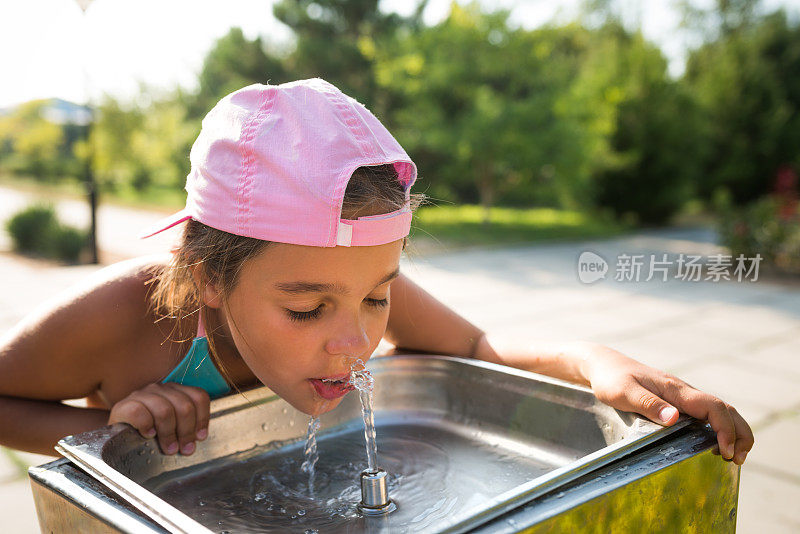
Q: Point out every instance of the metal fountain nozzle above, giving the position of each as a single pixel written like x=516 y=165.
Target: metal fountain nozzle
x=374 y=495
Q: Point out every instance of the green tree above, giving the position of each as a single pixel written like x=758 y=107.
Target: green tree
x=31 y=145
x=476 y=108
x=748 y=84
x=232 y=63
x=644 y=151
x=113 y=161
x=337 y=40
x=142 y=146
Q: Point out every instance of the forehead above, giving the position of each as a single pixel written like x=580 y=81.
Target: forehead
x=346 y=268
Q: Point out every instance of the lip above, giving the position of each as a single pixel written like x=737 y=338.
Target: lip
x=328 y=391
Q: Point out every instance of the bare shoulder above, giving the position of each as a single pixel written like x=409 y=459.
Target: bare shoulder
x=68 y=345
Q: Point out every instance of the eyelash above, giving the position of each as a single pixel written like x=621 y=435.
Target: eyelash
x=313 y=314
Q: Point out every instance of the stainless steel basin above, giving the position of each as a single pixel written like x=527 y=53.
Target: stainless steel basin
x=465 y=442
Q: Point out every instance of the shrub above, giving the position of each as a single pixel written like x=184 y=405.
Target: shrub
x=32 y=228
x=36 y=230
x=68 y=243
x=763 y=227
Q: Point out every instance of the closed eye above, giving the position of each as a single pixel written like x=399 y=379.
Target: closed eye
x=316 y=312
x=377 y=303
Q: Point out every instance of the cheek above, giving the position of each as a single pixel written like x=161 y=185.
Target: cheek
x=271 y=346
x=278 y=350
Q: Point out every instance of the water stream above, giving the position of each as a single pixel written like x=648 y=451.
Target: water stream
x=310 y=452
x=363 y=382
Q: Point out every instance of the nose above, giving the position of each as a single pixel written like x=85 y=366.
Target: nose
x=349 y=339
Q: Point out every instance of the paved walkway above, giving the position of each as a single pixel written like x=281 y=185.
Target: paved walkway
x=740 y=340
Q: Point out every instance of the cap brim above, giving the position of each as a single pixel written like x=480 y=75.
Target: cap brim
x=166 y=223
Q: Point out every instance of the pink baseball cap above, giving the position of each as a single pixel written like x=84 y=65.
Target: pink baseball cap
x=273 y=161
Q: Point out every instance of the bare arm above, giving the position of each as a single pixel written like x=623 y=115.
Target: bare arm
x=417 y=321
x=62 y=351
x=36 y=426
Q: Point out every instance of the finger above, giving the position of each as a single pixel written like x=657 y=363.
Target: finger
x=184 y=417
x=202 y=404
x=164 y=417
x=744 y=436
x=647 y=403
x=136 y=414
x=709 y=408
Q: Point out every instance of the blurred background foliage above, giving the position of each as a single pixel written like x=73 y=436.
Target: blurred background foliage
x=582 y=117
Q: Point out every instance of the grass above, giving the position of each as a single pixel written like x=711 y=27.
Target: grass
x=464 y=225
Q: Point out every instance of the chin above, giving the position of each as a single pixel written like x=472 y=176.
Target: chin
x=322 y=406
x=313 y=405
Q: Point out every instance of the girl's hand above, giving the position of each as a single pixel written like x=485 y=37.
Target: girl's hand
x=177 y=414
x=628 y=385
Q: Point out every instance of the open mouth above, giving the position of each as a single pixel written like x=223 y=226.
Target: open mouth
x=333 y=381
x=332 y=388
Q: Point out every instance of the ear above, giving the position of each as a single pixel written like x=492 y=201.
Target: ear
x=210 y=295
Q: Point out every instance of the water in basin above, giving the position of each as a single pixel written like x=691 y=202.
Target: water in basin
x=435 y=471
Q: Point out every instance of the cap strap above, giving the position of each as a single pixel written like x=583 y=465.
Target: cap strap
x=374 y=229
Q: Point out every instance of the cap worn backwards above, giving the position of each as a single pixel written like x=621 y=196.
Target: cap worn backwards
x=273 y=162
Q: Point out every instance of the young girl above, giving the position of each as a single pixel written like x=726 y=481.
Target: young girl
x=298 y=209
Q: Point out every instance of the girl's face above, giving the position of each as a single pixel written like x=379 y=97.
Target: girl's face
x=301 y=313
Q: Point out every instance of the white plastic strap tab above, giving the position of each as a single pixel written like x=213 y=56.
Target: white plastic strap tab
x=344 y=235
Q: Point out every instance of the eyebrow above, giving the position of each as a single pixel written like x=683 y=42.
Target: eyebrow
x=300 y=287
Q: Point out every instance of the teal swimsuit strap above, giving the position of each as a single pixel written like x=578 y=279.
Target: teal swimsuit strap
x=197 y=367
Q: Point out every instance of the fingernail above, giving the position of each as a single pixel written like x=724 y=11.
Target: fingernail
x=666 y=413
x=202 y=434
x=172 y=448
x=150 y=433
x=188 y=448
x=728 y=452
x=739 y=458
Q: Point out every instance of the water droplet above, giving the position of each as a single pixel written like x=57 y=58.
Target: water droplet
x=301 y=512
x=148 y=460
x=202 y=503
x=283 y=410
x=291 y=423
x=264 y=426
x=152 y=451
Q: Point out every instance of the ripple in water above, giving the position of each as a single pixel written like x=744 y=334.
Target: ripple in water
x=271 y=493
x=314 y=486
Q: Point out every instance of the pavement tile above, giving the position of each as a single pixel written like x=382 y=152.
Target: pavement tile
x=17 y=510
x=780 y=354
x=654 y=355
x=776 y=446
x=767 y=505
x=754 y=393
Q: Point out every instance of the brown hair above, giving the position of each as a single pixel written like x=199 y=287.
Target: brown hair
x=221 y=255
